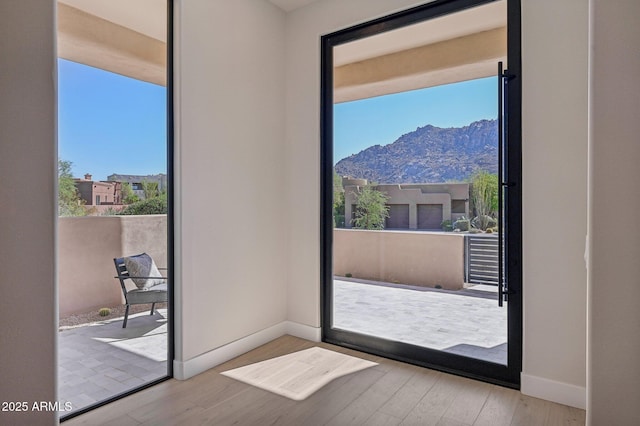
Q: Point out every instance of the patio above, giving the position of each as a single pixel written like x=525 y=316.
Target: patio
x=465 y=322
x=100 y=360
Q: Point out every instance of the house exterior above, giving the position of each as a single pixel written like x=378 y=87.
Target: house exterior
x=137 y=181
x=97 y=193
x=419 y=206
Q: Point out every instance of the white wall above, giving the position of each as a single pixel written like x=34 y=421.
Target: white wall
x=554 y=110
x=305 y=26
x=614 y=266
x=231 y=229
x=28 y=314
x=555 y=151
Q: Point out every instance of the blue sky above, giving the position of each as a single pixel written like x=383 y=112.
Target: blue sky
x=108 y=123
x=381 y=120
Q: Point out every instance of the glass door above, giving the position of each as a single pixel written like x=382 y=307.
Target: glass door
x=423 y=237
x=115 y=247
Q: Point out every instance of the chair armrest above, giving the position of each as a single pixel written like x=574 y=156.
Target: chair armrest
x=124 y=277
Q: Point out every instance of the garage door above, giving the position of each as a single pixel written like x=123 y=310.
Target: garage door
x=430 y=216
x=398 y=217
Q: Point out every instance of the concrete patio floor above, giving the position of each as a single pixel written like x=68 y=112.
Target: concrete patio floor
x=101 y=360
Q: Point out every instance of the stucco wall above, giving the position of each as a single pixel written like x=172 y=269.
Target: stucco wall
x=614 y=269
x=28 y=313
x=86 y=249
x=417 y=258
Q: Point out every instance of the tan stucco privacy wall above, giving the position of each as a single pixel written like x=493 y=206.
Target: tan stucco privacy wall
x=86 y=249
x=409 y=257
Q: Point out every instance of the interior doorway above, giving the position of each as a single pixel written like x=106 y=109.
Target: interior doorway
x=421 y=203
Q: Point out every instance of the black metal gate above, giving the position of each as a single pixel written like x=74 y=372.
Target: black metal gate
x=481 y=254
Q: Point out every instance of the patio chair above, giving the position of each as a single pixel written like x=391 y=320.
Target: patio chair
x=151 y=287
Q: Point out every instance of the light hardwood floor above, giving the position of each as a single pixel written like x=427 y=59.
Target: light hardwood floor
x=391 y=393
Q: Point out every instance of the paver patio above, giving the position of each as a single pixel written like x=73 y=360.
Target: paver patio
x=98 y=361
x=465 y=322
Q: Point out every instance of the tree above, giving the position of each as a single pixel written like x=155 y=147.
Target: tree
x=128 y=196
x=371 y=208
x=69 y=202
x=153 y=205
x=484 y=195
x=150 y=189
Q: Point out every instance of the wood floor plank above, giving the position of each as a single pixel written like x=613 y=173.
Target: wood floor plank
x=318 y=410
x=373 y=398
x=562 y=415
x=530 y=412
x=405 y=400
x=499 y=407
x=112 y=411
x=217 y=388
x=162 y=409
x=382 y=419
x=445 y=421
x=431 y=408
x=174 y=417
x=468 y=402
x=253 y=406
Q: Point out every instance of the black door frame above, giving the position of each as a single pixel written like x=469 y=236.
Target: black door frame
x=508 y=375
x=170 y=234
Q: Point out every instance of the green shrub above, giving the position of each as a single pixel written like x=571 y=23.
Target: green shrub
x=109 y=212
x=155 y=205
x=348 y=275
x=483 y=222
x=462 y=224
x=446 y=226
x=103 y=312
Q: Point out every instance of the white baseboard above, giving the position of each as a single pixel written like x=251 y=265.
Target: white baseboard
x=550 y=390
x=304 y=331
x=183 y=370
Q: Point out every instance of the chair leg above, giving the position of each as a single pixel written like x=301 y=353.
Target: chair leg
x=126 y=315
x=152 y=306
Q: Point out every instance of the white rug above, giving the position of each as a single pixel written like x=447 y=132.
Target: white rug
x=299 y=374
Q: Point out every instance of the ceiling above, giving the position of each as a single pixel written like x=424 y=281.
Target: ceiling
x=290 y=5
x=147 y=17
x=482 y=18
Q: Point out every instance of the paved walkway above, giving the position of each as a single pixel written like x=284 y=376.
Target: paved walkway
x=466 y=322
x=98 y=361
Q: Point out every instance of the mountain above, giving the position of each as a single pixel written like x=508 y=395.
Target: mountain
x=429 y=154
